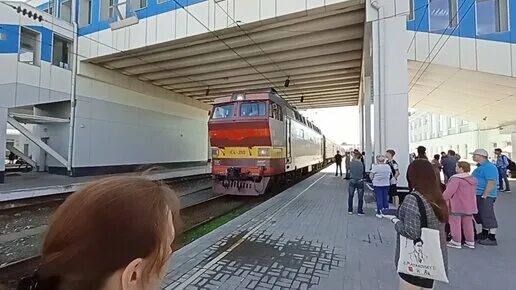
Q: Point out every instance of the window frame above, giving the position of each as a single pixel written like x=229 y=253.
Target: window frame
x=411 y=14
x=61 y=3
x=502 y=22
x=70 y=49
x=453 y=15
x=262 y=102
x=231 y=115
x=36 y=60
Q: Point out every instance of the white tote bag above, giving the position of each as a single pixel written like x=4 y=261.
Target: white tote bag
x=423 y=257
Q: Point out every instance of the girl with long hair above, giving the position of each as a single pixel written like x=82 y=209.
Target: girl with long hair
x=426 y=185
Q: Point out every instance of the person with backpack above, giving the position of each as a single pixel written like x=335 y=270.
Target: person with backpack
x=502 y=163
x=395 y=173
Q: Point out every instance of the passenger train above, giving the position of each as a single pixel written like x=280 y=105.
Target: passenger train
x=257 y=139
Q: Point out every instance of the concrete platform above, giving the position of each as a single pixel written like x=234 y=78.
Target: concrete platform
x=304 y=238
x=35 y=184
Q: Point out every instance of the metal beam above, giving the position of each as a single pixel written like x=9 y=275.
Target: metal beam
x=351 y=61
x=280 y=80
x=179 y=83
x=276 y=50
x=25 y=158
x=337 y=82
x=281 y=90
x=234 y=37
x=36 y=140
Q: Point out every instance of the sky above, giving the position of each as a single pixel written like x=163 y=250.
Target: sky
x=338 y=124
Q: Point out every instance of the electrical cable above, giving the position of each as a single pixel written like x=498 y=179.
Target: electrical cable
x=429 y=63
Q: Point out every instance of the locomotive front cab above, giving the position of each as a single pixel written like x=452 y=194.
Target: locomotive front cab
x=243 y=154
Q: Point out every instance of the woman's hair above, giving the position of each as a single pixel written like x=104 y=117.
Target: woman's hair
x=464 y=165
x=380 y=158
x=392 y=152
x=104 y=227
x=423 y=179
x=437 y=156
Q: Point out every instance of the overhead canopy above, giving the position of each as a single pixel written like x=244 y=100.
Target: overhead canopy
x=468 y=95
x=319 y=51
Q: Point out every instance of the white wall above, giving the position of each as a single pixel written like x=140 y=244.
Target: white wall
x=201 y=18
x=117 y=126
x=464 y=53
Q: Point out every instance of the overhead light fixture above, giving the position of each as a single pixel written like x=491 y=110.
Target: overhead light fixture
x=287 y=82
x=302 y=98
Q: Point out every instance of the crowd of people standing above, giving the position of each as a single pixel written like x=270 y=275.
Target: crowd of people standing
x=456 y=200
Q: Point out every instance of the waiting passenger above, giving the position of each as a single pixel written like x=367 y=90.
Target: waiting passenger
x=421 y=153
x=449 y=164
x=356 y=183
x=338 y=163
x=115 y=234
x=502 y=163
x=436 y=163
x=347 y=163
x=381 y=176
x=486 y=174
x=461 y=194
x=395 y=173
x=408 y=222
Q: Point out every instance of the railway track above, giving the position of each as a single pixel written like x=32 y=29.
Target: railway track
x=199 y=206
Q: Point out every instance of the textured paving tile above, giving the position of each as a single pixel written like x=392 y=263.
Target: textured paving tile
x=305 y=239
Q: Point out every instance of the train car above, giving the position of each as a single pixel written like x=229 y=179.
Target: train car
x=258 y=139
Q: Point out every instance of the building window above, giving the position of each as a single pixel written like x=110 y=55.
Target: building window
x=138 y=4
x=50 y=9
x=107 y=10
x=29 y=46
x=85 y=13
x=65 y=11
x=61 y=54
x=492 y=16
x=443 y=14
x=410 y=16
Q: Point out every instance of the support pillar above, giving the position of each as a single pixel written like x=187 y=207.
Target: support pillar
x=3 y=141
x=390 y=80
x=513 y=142
x=366 y=125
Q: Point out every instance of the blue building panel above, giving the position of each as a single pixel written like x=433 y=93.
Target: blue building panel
x=468 y=18
x=11 y=43
x=11 y=39
x=46 y=42
x=153 y=8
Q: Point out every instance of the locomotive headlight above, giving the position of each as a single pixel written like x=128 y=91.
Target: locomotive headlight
x=214 y=152
x=264 y=152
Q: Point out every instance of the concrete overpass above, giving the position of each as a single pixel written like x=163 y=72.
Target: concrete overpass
x=153 y=72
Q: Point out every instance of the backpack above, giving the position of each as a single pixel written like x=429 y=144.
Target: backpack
x=512 y=165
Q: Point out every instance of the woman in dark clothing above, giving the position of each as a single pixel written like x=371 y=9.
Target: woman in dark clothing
x=408 y=221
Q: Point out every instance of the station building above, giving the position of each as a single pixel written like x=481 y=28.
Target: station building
x=99 y=86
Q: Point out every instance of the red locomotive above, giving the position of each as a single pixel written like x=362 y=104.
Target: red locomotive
x=257 y=138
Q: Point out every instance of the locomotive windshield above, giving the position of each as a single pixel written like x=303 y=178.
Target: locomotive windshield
x=223 y=111
x=253 y=109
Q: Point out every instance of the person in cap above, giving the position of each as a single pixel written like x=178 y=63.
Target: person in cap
x=486 y=174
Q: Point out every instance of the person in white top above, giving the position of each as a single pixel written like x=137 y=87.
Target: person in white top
x=381 y=177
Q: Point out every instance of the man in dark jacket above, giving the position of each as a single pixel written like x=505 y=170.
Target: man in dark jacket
x=449 y=163
x=338 y=163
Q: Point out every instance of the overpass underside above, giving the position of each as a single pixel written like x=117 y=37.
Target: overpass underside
x=465 y=94
x=312 y=58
